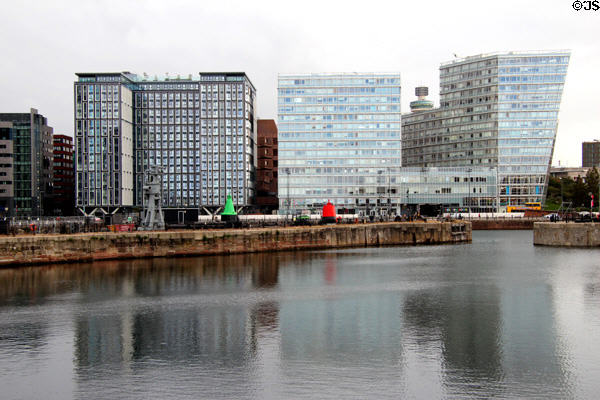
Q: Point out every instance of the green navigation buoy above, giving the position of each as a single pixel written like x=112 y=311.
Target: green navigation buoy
x=229 y=210
x=229 y=214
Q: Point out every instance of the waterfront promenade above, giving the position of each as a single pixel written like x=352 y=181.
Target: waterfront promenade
x=45 y=249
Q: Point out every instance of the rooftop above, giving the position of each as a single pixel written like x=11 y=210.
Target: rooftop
x=167 y=77
x=504 y=53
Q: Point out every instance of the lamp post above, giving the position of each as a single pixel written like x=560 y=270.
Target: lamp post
x=389 y=193
x=287 y=171
x=469 y=198
x=598 y=198
x=497 y=185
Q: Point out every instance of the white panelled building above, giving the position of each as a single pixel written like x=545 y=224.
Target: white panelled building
x=339 y=136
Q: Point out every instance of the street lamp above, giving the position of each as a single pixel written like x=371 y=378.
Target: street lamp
x=497 y=185
x=287 y=171
x=469 y=183
x=598 y=198
x=389 y=192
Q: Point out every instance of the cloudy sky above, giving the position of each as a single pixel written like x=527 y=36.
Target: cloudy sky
x=43 y=44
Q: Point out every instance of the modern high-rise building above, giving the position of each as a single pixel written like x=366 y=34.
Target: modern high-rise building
x=339 y=137
x=64 y=175
x=590 y=154
x=32 y=163
x=200 y=129
x=495 y=110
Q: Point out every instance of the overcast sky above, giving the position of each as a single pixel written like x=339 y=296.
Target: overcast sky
x=43 y=44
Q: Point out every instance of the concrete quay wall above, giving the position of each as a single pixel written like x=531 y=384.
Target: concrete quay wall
x=502 y=224
x=568 y=234
x=44 y=249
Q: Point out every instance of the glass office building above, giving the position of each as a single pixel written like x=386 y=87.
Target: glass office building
x=447 y=189
x=497 y=110
x=32 y=173
x=339 y=139
x=200 y=129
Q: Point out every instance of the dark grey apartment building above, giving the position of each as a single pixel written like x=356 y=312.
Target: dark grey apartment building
x=201 y=129
x=6 y=170
x=28 y=154
x=590 y=154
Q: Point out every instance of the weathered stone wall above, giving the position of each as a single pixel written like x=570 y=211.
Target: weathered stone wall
x=566 y=234
x=42 y=249
x=502 y=224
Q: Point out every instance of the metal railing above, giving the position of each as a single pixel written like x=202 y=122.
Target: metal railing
x=15 y=226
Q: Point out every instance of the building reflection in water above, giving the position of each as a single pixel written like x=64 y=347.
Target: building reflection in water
x=187 y=329
x=487 y=336
x=33 y=285
x=530 y=341
x=464 y=323
x=337 y=325
x=238 y=325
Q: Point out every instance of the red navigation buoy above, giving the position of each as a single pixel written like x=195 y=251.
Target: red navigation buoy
x=328 y=215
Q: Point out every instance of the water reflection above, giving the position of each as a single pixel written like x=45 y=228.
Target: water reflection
x=485 y=320
x=344 y=324
x=466 y=320
x=147 y=277
x=185 y=329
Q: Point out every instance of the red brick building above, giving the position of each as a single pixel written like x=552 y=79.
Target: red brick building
x=64 y=175
x=266 y=172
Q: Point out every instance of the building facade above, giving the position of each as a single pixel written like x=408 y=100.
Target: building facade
x=7 y=207
x=64 y=176
x=435 y=190
x=267 y=166
x=590 y=154
x=200 y=129
x=569 y=172
x=32 y=163
x=495 y=110
x=339 y=135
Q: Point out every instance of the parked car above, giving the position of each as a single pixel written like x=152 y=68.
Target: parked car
x=584 y=216
x=552 y=217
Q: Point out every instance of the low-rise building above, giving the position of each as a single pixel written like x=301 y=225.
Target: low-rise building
x=433 y=190
x=569 y=172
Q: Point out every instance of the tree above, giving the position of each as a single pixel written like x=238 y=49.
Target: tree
x=580 y=193
x=568 y=189
x=554 y=190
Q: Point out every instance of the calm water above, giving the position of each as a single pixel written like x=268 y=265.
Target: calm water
x=498 y=318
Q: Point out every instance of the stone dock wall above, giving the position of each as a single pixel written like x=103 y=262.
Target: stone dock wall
x=502 y=224
x=44 y=249
x=567 y=234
